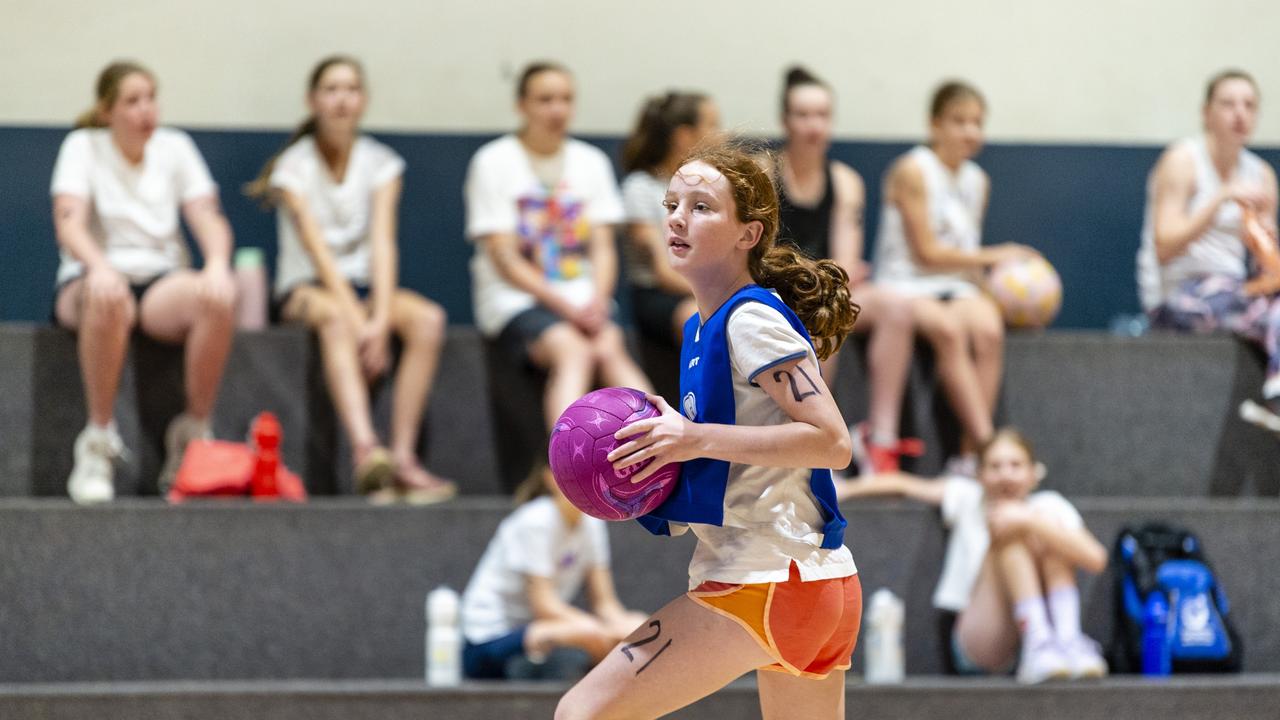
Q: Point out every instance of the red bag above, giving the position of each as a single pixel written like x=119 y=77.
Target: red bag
x=216 y=468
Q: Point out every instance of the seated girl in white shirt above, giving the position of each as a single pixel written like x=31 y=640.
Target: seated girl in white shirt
x=118 y=186
x=517 y=607
x=338 y=193
x=1011 y=564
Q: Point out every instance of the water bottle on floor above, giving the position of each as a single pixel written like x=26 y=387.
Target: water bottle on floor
x=1156 y=658
x=884 y=656
x=444 y=638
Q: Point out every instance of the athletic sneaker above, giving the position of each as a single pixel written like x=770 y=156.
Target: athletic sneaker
x=181 y=431
x=871 y=457
x=96 y=450
x=1042 y=661
x=1084 y=657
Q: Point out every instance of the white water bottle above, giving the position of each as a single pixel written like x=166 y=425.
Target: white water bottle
x=444 y=639
x=885 y=662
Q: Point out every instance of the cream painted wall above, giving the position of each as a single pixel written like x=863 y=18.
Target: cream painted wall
x=1082 y=71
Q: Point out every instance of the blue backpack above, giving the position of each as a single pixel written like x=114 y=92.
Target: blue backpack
x=1158 y=558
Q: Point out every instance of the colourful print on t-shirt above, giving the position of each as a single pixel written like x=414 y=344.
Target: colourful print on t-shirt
x=553 y=234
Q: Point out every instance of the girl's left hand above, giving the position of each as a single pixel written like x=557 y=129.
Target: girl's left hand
x=668 y=438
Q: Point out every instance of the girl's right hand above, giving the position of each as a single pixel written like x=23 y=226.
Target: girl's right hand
x=104 y=284
x=1012 y=251
x=1247 y=194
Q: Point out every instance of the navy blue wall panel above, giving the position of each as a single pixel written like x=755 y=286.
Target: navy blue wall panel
x=1081 y=205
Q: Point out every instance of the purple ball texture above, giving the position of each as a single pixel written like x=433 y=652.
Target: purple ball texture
x=582 y=439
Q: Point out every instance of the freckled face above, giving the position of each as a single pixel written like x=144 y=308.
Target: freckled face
x=702 y=224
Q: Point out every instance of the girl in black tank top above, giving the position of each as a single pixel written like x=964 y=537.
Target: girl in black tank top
x=808 y=228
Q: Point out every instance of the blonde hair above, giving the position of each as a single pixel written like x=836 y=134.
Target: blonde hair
x=817 y=290
x=260 y=187
x=1009 y=434
x=534 y=484
x=107 y=90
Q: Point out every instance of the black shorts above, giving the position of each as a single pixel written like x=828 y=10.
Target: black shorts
x=524 y=330
x=137 y=289
x=276 y=310
x=654 y=310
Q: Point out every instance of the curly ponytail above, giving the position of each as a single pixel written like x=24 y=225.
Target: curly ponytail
x=817 y=290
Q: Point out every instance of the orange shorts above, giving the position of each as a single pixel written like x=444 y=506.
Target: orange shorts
x=808 y=628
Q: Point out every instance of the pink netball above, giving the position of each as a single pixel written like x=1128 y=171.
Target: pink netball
x=582 y=439
x=1027 y=290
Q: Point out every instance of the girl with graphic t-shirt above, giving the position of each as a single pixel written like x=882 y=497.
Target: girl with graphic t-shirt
x=517 y=607
x=540 y=210
x=1009 y=577
x=929 y=249
x=669 y=127
x=772 y=586
x=119 y=186
x=338 y=192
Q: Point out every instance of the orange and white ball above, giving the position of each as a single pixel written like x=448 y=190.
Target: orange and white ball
x=1027 y=290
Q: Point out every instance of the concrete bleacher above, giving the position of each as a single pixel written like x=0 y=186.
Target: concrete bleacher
x=1250 y=697
x=137 y=591
x=240 y=609
x=1149 y=416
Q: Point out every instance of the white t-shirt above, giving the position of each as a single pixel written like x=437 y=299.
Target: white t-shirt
x=965 y=514
x=956 y=201
x=532 y=541
x=771 y=518
x=343 y=210
x=134 y=209
x=642 y=196
x=553 y=225
x=1219 y=251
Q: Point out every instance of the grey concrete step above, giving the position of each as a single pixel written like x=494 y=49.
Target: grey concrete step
x=334 y=589
x=1242 y=697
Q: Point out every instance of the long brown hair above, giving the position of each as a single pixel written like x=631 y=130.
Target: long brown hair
x=1225 y=75
x=1010 y=434
x=260 y=188
x=107 y=90
x=799 y=76
x=817 y=290
x=650 y=142
x=953 y=91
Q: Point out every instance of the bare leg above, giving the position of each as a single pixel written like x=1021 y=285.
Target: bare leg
x=985 y=328
x=956 y=370
x=888 y=319
x=102 y=334
x=985 y=629
x=172 y=311
x=783 y=696
x=684 y=653
x=420 y=324
x=318 y=309
x=566 y=355
x=615 y=363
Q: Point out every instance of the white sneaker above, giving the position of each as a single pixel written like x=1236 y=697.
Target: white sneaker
x=1042 y=661
x=181 y=431
x=96 y=450
x=1084 y=657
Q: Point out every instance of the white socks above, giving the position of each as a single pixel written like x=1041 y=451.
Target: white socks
x=1064 y=605
x=1033 y=621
